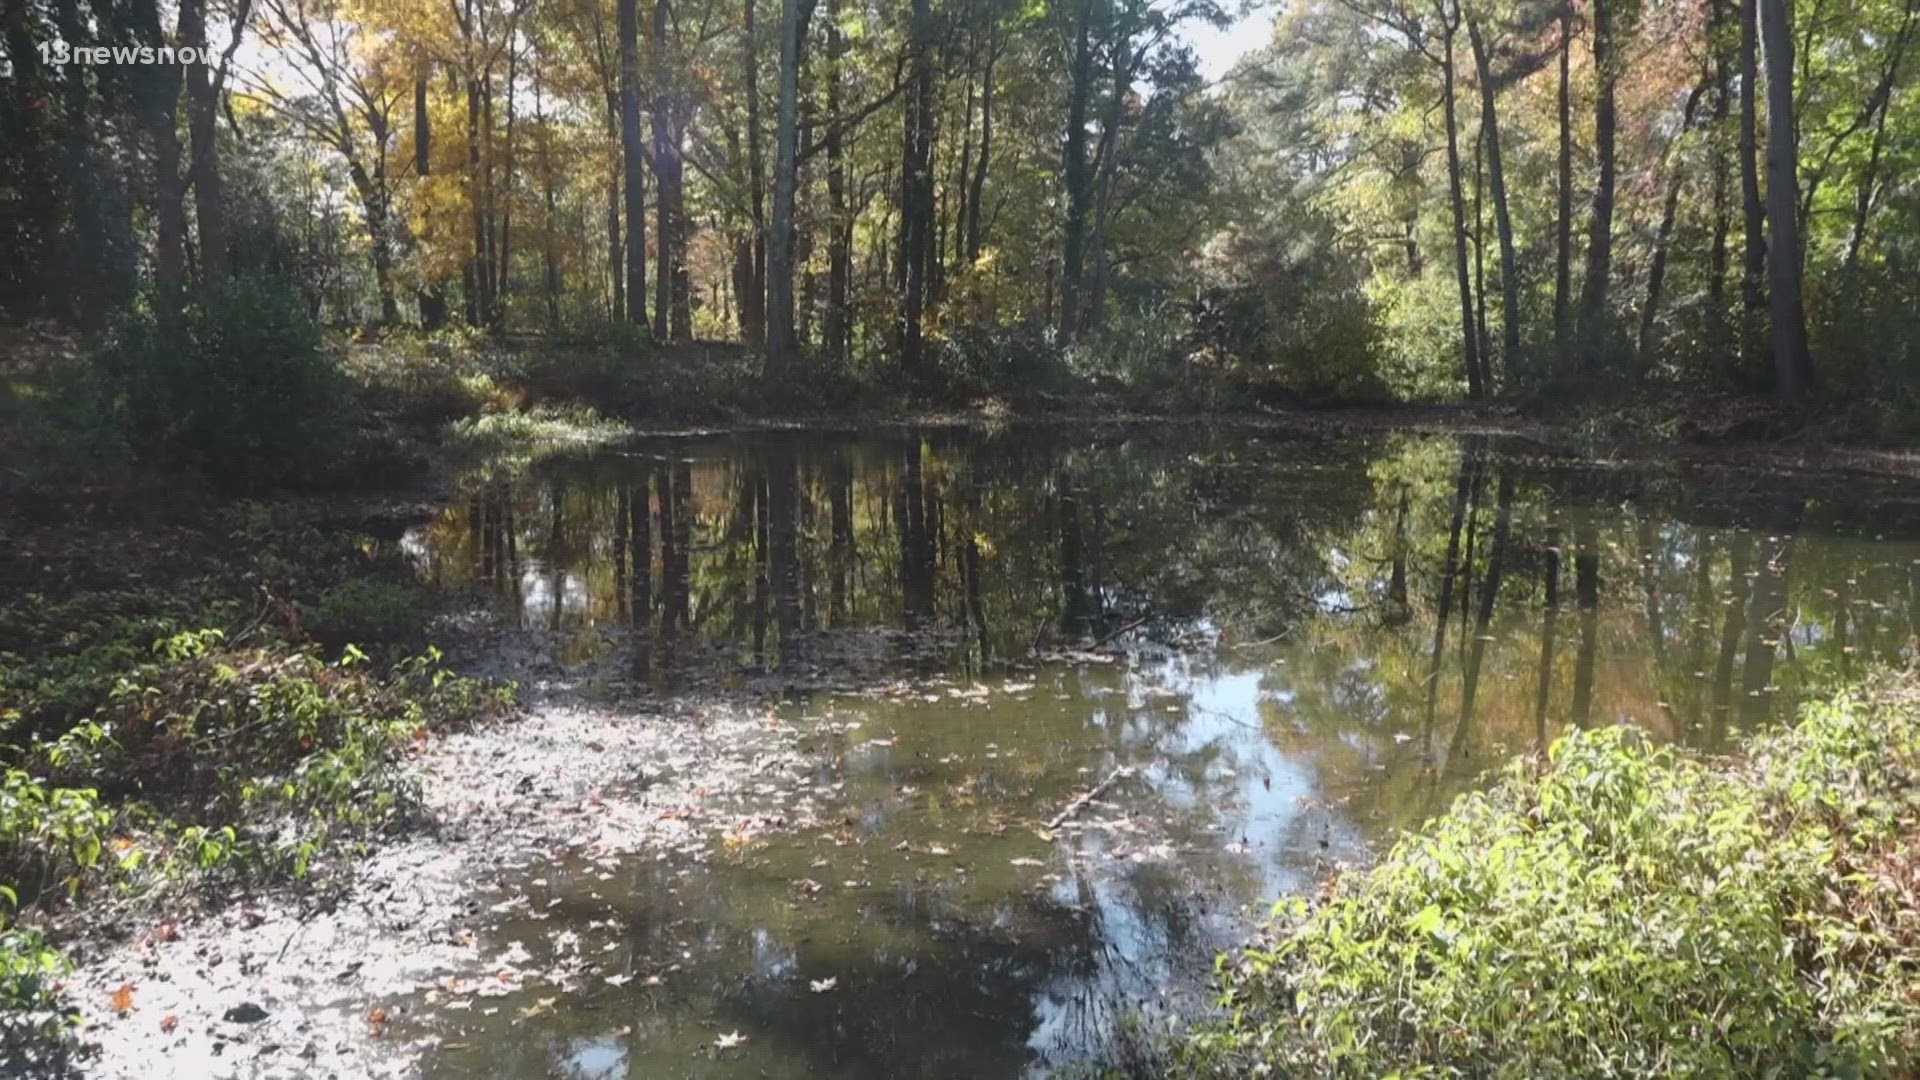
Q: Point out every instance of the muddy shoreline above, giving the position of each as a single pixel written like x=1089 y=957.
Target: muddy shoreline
x=282 y=985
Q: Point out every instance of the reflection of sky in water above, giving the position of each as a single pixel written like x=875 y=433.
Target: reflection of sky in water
x=1290 y=732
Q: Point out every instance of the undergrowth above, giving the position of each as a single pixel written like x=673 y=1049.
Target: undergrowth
x=159 y=741
x=1621 y=910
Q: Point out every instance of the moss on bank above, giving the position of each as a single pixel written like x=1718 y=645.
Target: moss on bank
x=1620 y=910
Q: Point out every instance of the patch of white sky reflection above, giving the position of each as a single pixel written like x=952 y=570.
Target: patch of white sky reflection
x=1262 y=805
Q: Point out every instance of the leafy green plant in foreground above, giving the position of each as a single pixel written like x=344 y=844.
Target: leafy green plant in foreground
x=1624 y=910
x=205 y=756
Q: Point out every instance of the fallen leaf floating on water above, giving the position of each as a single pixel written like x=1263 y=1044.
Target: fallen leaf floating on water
x=619 y=980
x=168 y=1023
x=1026 y=862
x=123 y=998
x=538 y=1008
x=821 y=986
x=730 y=1040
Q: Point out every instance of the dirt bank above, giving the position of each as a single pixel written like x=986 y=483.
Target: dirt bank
x=279 y=986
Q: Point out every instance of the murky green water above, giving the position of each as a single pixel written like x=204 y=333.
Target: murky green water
x=1319 y=646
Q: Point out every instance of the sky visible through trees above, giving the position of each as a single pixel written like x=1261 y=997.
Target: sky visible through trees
x=1426 y=198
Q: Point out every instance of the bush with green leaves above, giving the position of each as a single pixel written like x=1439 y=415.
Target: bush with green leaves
x=376 y=614
x=976 y=357
x=238 y=387
x=36 y=1024
x=203 y=755
x=1288 y=306
x=1624 y=910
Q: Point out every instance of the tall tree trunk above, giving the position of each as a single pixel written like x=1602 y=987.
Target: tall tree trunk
x=671 y=315
x=753 y=286
x=963 y=169
x=782 y=346
x=835 y=334
x=475 y=274
x=1482 y=338
x=34 y=197
x=633 y=162
x=157 y=95
x=1075 y=173
x=916 y=183
x=1793 y=363
x=1864 y=192
x=1663 y=236
x=978 y=183
x=431 y=298
x=1469 y=337
x=550 y=225
x=1722 y=109
x=1754 y=258
x=503 y=285
x=84 y=284
x=1107 y=158
x=203 y=107
x=1502 y=220
x=1563 y=217
x=616 y=249
x=373 y=194
x=1595 y=322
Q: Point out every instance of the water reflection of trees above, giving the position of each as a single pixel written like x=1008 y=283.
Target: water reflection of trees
x=1419 y=609
x=1540 y=594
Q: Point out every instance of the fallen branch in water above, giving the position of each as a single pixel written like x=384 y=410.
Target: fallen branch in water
x=1134 y=625
x=1093 y=793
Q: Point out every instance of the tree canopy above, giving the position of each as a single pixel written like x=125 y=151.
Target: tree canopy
x=1416 y=197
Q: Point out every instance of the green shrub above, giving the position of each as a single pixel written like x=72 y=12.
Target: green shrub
x=1628 y=911
x=28 y=965
x=1866 y=335
x=1135 y=347
x=367 y=611
x=212 y=755
x=1284 y=303
x=36 y=1025
x=980 y=356
x=239 y=388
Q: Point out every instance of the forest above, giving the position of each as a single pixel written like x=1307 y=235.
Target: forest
x=846 y=538
x=1385 y=200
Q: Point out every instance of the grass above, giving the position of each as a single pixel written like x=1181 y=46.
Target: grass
x=574 y=426
x=1618 y=910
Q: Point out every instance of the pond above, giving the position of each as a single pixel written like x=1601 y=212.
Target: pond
x=1083 y=707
